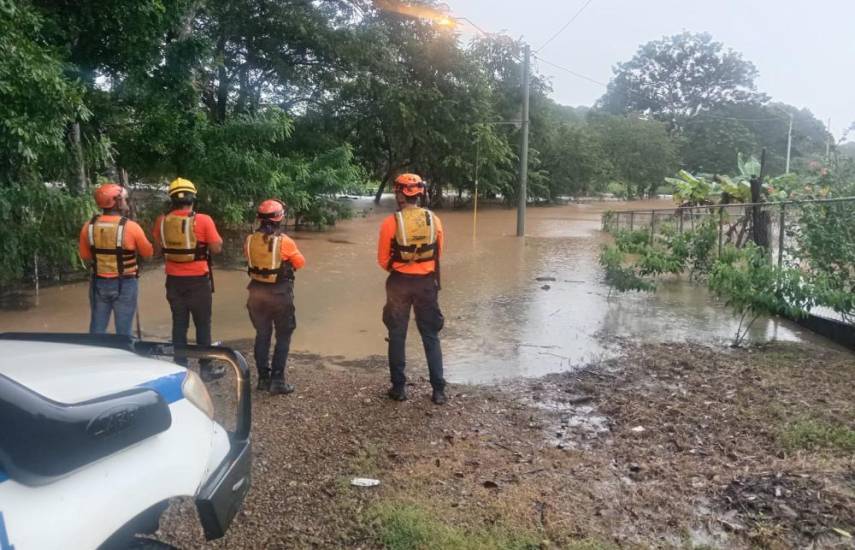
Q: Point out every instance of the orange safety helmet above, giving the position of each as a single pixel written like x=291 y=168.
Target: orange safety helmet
x=410 y=184
x=272 y=210
x=107 y=194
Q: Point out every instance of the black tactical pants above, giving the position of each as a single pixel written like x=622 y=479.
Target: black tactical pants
x=420 y=292
x=190 y=296
x=271 y=308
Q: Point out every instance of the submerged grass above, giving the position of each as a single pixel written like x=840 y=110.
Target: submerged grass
x=817 y=434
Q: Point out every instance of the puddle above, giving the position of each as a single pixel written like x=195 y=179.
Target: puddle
x=514 y=307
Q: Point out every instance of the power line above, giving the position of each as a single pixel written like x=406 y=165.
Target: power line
x=740 y=119
x=562 y=29
x=572 y=72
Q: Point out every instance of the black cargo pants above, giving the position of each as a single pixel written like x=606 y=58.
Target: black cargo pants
x=190 y=296
x=271 y=307
x=420 y=292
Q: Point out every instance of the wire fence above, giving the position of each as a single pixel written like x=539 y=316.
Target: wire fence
x=775 y=226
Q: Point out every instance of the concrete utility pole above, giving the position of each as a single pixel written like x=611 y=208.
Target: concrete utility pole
x=789 y=143
x=828 y=143
x=523 y=190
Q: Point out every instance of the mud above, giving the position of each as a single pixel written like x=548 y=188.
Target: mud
x=666 y=446
x=514 y=307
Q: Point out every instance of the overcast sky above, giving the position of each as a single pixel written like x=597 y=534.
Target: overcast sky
x=803 y=50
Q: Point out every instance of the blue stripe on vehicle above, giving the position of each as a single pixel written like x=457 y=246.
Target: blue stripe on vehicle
x=4 y=537
x=169 y=387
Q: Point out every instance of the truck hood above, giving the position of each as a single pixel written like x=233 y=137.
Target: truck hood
x=71 y=373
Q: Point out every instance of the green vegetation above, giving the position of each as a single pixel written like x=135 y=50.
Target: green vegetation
x=409 y=527
x=751 y=286
x=813 y=434
x=308 y=100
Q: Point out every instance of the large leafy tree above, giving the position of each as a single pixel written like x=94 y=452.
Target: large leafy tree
x=641 y=151
x=680 y=76
x=37 y=100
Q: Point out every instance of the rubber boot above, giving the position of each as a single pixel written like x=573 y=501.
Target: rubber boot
x=397 y=393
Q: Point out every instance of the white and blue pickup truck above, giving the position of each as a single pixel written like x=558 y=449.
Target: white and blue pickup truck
x=98 y=433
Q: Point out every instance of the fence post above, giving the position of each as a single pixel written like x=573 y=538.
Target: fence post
x=680 y=210
x=781 y=235
x=652 y=225
x=632 y=221
x=36 y=274
x=720 y=228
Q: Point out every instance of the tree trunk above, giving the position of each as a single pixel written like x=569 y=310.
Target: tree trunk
x=77 y=181
x=223 y=78
x=244 y=89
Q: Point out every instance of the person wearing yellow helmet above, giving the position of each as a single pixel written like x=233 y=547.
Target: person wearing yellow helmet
x=187 y=239
x=409 y=248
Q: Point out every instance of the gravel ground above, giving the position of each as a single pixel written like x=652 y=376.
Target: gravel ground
x=671 y=445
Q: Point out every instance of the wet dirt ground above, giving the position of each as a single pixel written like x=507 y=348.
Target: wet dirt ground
x=513 y=307
x=667 y=446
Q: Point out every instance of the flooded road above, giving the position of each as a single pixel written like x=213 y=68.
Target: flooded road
x=513 y=306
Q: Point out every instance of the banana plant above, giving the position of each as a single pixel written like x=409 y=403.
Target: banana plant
x=691 y=190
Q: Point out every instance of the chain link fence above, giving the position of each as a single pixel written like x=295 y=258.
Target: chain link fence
x=776 y=226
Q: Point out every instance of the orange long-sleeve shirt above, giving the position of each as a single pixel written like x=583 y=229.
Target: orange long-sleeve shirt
x=384 y=249
x=134 y=239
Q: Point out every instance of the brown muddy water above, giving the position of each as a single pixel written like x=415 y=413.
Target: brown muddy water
x=513 y=307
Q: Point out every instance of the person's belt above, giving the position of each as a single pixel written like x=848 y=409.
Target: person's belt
x=412 y=275
x=130 y=276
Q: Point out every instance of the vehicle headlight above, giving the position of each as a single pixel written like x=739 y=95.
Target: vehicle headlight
x=194 y=391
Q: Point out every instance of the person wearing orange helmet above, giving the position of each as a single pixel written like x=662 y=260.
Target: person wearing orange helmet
x=272 y=258
x=409 y=248
x=187 y=239
x=112 y=244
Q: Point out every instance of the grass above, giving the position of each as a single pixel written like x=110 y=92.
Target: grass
x=411 y=527
x=817 y=434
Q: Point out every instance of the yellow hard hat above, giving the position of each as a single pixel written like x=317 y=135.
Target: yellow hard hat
x=179 y=186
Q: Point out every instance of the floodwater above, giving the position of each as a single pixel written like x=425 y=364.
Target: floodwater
x=501 y=321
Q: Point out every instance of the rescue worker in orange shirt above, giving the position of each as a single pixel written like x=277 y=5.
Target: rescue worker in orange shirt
x=409 y=248
x=113 y=243
x=272 y=258
x=187 y=239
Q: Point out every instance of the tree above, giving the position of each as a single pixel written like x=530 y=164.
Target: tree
x=641 y=152
x=711 y=145
x=680 y=77
x=576 y=161
x=37 y=101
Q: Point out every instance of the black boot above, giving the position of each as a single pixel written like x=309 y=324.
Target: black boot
x=397 y=393
x=439 y=397
x=263 y=380
x=279 y=387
